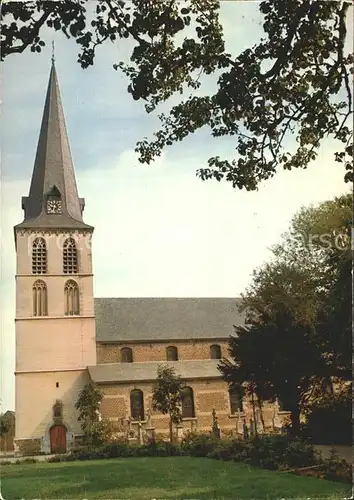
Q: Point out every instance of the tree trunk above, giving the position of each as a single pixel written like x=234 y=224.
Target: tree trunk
x=295 y=421
x=254 y=414
x=260 y=406
x=171 y=430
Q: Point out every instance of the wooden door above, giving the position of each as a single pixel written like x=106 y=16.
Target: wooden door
x=58 y=439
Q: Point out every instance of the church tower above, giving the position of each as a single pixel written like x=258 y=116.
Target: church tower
x=55 y=322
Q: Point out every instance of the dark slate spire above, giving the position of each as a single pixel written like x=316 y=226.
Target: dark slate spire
x=53 y=177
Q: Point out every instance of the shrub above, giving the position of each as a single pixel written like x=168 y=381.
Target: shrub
x=270 y=452
x=120 y=450
x=336 y=469
x=300 y=454
x=280 y=452
x=78 y=448
x=165 y=449
x=115 y=450
x=5 y=462
x=235 y=449
x=56 y=458
x=88 y=454
x=157 y=449
x=329 y=419
x=199 y=445
x=29 y=461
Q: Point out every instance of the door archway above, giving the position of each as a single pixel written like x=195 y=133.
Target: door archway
x=57 y=439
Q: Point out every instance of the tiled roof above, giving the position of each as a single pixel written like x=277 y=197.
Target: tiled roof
x=135 y=372
x=159 y=319
x=53 y=170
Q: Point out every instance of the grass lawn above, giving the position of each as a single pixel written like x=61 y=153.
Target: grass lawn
x=159 y=478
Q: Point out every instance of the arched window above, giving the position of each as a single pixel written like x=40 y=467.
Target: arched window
x=39 y=291
x=137 y=404
x=126 y=355
x=187 y=402
x=39 y=256
x=235 y=401
x=327 y=386
x=172 y=353
x=215 y=351
x=71 y=298
x=70 y=257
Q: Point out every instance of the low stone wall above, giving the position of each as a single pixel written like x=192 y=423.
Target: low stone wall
x=6 y=444
x=28 y=446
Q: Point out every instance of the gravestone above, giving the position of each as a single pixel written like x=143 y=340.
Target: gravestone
x=260 y=429
x=215 y=427
x=140 y=433
x=277 y=423
x=239 y=423
x=252 y=427
x=150 y=429
x=179 y=432
x=245 y=430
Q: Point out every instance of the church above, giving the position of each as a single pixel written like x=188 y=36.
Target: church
x=65 y=336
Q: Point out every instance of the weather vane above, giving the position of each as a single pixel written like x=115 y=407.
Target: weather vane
x=53 y=51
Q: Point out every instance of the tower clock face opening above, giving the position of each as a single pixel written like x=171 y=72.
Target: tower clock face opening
x=54 y=206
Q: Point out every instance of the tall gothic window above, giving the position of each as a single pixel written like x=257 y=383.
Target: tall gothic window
x=126 y=355
x=327 y=386
x=71 y=296
x=39 y=256
x=235 y=401
x=215 y=351
x=39 y=291
x=137 y=404
x=187 y=403
x=70 y=265
x=171 y=353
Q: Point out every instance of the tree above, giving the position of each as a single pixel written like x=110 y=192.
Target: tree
x=329 y=418
x=290 y=344
x=335 y=317
x=335 y=321
x=167 y=395
x=294 y=81
x=96 y=431
x=277 y=357
x=5 y=425
x=318 y=245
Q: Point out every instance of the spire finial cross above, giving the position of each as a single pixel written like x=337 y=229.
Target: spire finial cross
x=53 y=52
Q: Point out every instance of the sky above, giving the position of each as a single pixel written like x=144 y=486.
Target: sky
x=159 y=230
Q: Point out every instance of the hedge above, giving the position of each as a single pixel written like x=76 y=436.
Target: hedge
x=268 y=452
